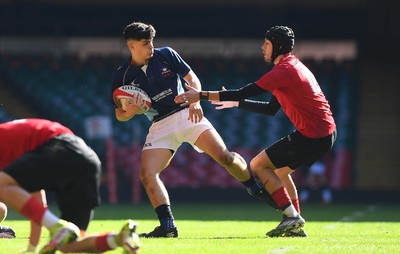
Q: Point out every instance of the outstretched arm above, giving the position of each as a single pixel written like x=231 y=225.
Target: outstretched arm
x=263 y=107
x=225 y=104
x=270 y=107
x=36 y=229
x=232 y=98
x=194 y=95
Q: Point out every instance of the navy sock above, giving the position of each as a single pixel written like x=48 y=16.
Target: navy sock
x=252 y=186
x=249 y=183
x=165 y=216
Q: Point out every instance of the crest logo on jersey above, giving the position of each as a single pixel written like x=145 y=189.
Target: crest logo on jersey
x=165 y=72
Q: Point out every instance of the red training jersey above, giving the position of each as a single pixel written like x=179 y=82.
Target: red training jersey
x=20 y=136
x=300 y=96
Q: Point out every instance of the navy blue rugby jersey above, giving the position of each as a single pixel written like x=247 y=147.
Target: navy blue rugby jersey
x=161 y=79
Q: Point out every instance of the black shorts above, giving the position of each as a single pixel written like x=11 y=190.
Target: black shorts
x=296 y=150
x=66 y=166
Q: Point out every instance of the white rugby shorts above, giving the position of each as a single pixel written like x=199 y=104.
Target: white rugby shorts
x=172 y=131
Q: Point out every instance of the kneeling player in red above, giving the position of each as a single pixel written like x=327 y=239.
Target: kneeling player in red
x=38 y=154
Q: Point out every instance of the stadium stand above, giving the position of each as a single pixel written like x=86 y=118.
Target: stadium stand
x=70 y=90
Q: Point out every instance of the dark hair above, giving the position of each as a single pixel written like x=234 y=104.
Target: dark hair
x=139 y=31
x=282 y=39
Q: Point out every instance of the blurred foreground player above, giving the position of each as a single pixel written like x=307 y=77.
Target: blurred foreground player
x=38 y=154
x=295 y=89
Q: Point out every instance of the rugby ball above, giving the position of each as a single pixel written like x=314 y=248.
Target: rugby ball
x=128 y=94
x=3 y=211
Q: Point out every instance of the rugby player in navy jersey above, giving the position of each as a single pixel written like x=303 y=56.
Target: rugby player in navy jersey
x=295 y=89
x=158 y=71
x=37 y=155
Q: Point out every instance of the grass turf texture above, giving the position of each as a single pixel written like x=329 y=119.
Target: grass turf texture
x=241 y=228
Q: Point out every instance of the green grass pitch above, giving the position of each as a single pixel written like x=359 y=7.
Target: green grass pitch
x=241 y=227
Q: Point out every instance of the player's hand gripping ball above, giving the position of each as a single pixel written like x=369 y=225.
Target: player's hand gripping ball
x=129 y=94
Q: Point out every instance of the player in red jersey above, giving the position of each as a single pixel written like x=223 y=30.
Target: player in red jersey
x=38 y=154
x=295 y=90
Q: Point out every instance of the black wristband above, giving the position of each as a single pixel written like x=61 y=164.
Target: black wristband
x=204 y=97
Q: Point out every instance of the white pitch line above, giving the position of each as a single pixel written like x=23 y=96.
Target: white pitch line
x=355 y=215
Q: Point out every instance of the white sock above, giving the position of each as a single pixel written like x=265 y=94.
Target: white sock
x=31 y=248
x=49 y=219
x=290 y=211
x=111 y=241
